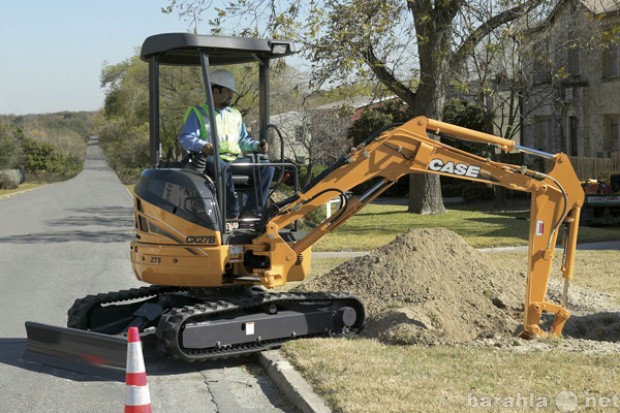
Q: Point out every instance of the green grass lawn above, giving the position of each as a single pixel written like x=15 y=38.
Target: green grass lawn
x=377 y=225
x=361 y=375
x=20 y=188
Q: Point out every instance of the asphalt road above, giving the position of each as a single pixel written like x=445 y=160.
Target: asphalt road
x=71 y=239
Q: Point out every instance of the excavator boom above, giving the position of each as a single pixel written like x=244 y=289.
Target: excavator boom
x=556 y=200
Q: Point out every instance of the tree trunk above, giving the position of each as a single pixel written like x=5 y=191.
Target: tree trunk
x=499 y=192
x=425 y=194
x=425 y=189
x=309 y=174
x=500 y=203
x=434 y=29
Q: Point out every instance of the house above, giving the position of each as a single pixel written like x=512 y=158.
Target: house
x=318 y=132
x=573 y=73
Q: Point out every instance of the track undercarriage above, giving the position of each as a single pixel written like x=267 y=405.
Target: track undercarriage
x=202 y=324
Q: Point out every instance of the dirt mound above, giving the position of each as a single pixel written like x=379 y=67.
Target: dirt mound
x=429 y=286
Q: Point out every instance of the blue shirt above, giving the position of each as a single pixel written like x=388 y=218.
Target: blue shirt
x=190 y=138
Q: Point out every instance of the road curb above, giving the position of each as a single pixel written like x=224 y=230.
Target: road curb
x=295 y=388
x=21 y=192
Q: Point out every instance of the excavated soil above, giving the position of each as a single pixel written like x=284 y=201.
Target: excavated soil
x=430 y=287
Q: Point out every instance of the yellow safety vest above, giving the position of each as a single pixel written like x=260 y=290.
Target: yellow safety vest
x=229 y=123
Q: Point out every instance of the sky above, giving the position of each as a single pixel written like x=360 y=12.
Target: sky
x=53 y=51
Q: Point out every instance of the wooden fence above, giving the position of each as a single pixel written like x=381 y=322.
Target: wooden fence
x=595 y=168
x=585 y=167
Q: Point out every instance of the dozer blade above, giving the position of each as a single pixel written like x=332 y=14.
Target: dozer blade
x=81 y=351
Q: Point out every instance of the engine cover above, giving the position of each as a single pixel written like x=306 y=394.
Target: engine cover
x=182 y=192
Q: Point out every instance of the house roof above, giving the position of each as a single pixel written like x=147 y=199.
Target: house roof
x=596 y=7
x=356 y=103
x=286 y=116
x=601 y=6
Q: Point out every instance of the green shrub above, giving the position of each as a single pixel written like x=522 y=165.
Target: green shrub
x=374 y=118
x=36 y=155
x=43 y=157
x=126 y=147
x=478 y=192
x=316 y=217
x=8 y=147
x=6 y=182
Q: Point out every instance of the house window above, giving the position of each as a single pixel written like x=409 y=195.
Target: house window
x=611 y=62
x=573 y=127
x=543 y=133
x=542 y=68
x=300 y=134
x=612 y=133
x=573 y=62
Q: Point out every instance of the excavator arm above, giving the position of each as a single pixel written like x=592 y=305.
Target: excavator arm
x=556 y=200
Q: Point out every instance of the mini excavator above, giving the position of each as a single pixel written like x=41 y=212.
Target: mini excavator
x=208 y=295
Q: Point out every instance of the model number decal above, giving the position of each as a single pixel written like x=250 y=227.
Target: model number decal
x=461 y=169
x=200 y=239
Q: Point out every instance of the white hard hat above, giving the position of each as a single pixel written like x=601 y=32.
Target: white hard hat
x=224 y=78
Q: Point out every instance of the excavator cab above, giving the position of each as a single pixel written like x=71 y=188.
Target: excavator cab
x=185 y=49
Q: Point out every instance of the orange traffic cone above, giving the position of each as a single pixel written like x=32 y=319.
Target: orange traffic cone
x=137 y=397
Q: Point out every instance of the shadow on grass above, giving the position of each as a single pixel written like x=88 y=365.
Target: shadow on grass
x=502 y=226
x=514 y=226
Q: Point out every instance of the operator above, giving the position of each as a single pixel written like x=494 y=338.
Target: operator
x=233 y=141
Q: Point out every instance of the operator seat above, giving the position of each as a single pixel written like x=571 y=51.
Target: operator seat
x=197 y=161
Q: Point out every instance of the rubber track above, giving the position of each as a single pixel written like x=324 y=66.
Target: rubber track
x=79 y=313
x=172 y=323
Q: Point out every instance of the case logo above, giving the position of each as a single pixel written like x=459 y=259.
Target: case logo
x=461 y=169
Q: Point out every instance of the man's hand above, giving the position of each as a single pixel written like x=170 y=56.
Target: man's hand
x=207 y=149
x=263 y=147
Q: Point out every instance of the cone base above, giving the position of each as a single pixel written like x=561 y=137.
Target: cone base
x=139 y=409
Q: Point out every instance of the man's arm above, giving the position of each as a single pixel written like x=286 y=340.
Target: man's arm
x=189 y=138
x=246 y=142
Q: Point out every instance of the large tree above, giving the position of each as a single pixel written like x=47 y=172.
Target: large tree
x=399 y=42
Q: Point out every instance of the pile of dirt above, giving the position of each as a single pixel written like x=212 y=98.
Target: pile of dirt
x=429 y=286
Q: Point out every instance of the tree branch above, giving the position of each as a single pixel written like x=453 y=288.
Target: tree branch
x=386 y=77
x=444 y=13
x=487 y=27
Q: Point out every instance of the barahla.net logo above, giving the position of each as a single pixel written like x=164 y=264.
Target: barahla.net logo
x=565 y=401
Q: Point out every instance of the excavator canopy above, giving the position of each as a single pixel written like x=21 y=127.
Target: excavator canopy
x=183 y=49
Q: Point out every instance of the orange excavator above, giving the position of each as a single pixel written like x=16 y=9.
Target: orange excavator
x=209 y=282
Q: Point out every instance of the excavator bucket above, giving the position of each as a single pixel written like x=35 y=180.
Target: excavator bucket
x=81 y=351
